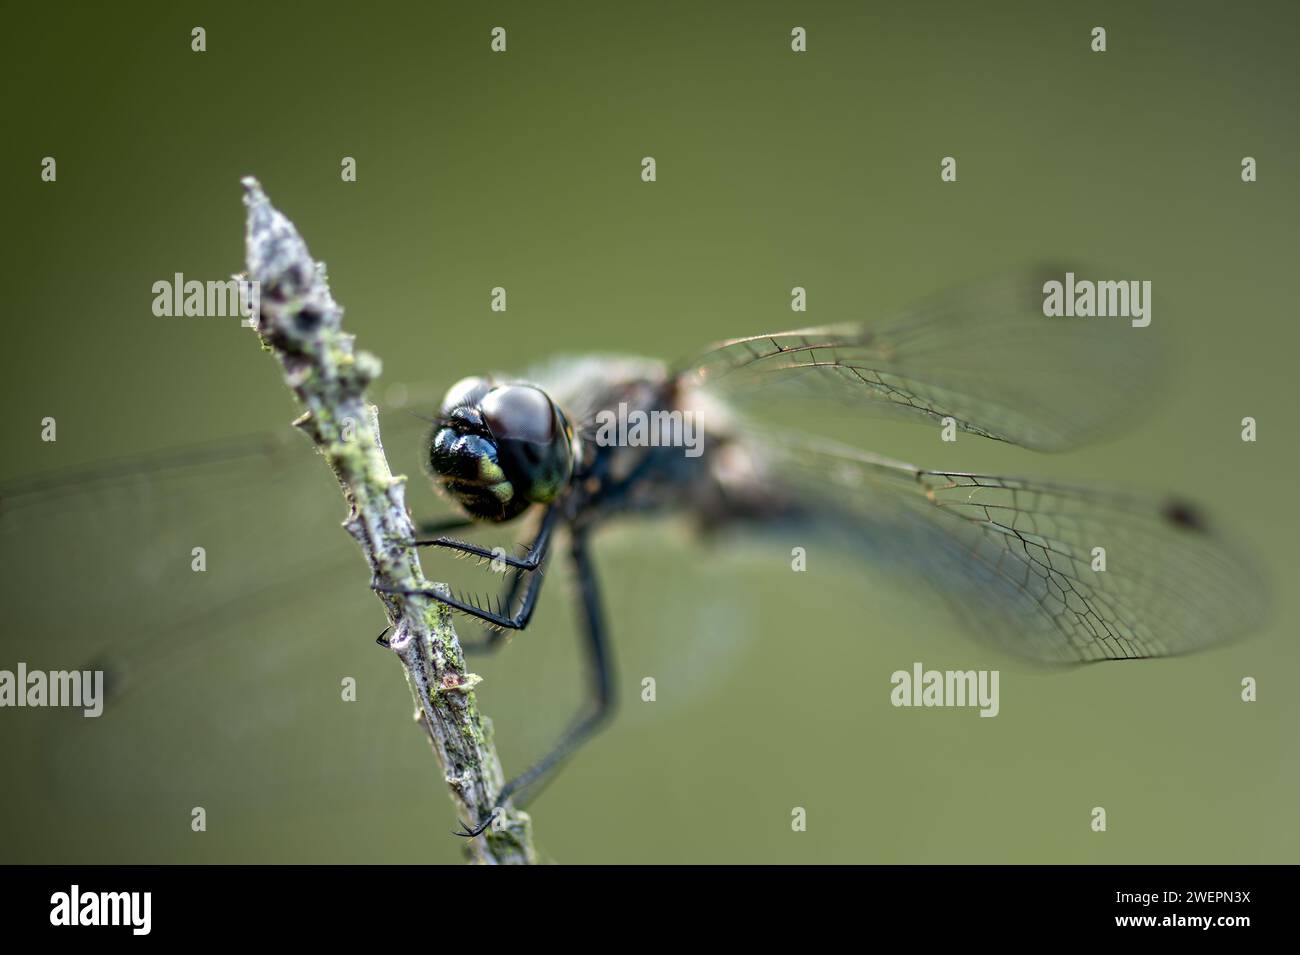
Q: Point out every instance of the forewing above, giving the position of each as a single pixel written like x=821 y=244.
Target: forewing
x=984 y=355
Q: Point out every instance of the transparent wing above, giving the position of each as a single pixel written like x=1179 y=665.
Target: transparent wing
x=157 y=538
x=984 y=355
x=217 y=593
x=1053 y=572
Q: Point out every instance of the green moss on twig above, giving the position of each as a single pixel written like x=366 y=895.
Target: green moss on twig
x=300 y=321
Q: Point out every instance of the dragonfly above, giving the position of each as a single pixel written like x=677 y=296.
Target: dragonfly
x=1015 y=558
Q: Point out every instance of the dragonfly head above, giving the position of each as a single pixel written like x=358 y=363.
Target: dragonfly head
x=499 y=448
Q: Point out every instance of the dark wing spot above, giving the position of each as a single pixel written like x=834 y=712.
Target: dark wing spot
x=1182 y=514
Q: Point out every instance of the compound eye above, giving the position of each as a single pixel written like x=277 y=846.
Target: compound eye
x=520 y=413
x=465 y=393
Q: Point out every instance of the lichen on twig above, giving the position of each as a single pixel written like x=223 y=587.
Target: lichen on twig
x=299 y=320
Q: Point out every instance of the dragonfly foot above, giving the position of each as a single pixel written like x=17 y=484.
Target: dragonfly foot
x=469 y=833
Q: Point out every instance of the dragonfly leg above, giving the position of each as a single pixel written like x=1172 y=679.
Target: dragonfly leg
x=530 y=560
x=500 y=619
x=516 y=621
x=493 y=638
x=598 y=710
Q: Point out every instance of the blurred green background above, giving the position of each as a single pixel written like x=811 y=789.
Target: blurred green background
x=522 y=170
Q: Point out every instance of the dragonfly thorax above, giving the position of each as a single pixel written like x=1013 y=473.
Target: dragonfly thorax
x=498 y=448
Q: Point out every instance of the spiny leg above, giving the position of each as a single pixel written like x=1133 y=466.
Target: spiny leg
x=516 y=621
x=493 y=638
x=500 y=617
x=530 y=561
x=600 y=675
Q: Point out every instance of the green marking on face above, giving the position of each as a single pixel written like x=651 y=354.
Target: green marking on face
x=490 y=471
x=503 y=491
